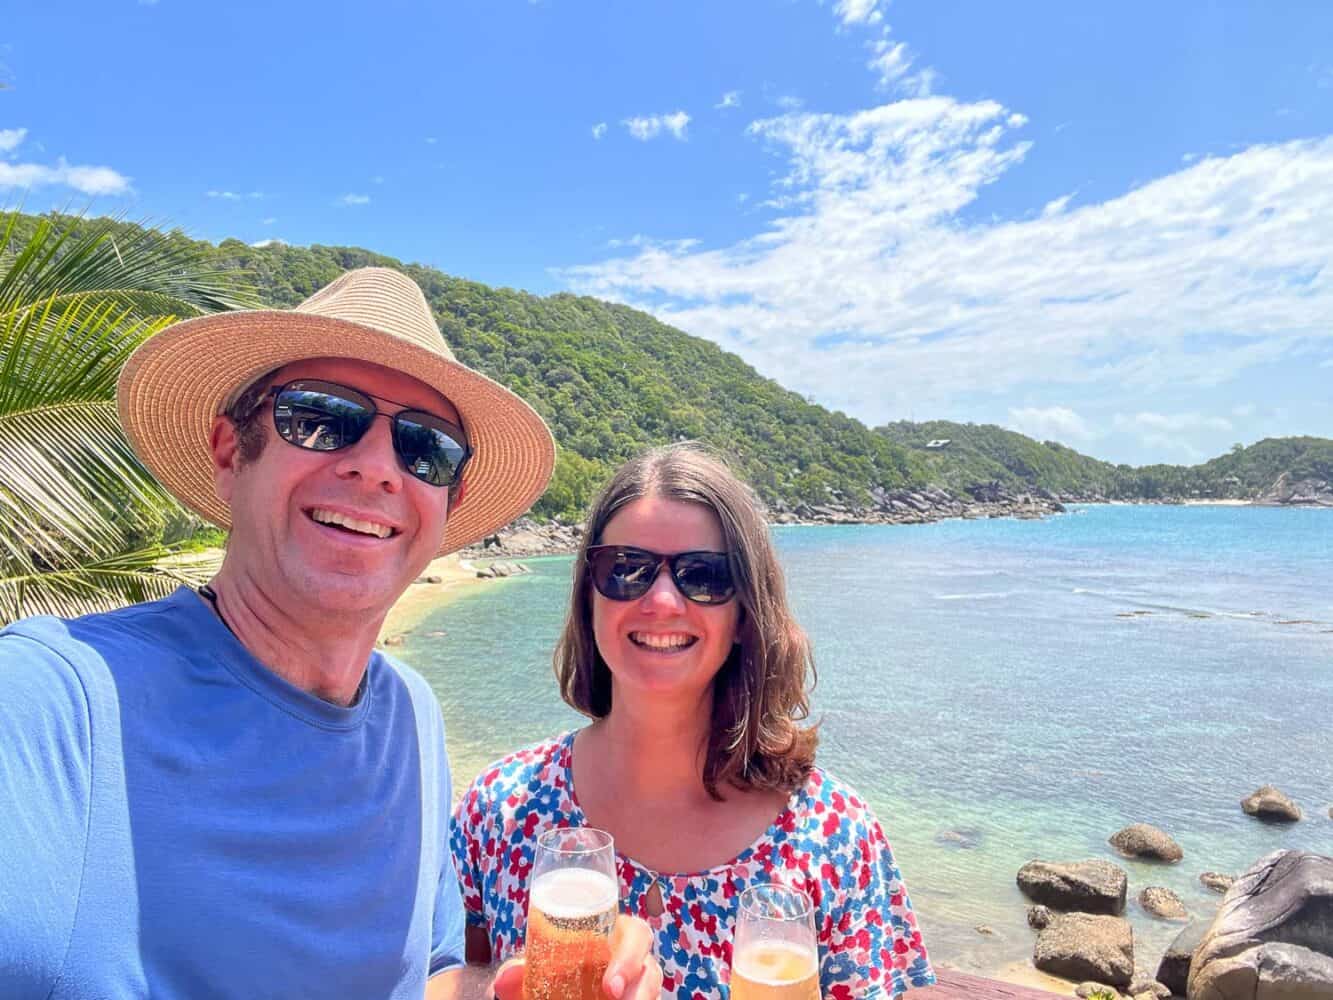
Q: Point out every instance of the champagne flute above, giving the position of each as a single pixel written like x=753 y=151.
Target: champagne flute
x=572 y=903
x=775 y=954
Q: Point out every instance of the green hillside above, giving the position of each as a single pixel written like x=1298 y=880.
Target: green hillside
x=611 y=380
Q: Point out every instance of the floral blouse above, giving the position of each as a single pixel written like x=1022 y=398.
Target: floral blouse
x=825 y=841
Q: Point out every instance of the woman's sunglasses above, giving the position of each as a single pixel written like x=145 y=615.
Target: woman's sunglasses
x=325 y=416
x=626 y=573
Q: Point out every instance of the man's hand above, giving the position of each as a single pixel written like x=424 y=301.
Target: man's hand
x=633 y=973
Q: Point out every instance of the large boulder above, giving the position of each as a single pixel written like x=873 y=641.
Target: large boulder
x=1143 y=840
x=1173 y=970
x=1269 y=803
x=1162 y=903
x=1087 y=946
x=1085 y=886
x=1272 y=938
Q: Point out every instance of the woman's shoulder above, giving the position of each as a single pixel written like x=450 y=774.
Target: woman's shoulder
x=542 y=764
x=826 y=808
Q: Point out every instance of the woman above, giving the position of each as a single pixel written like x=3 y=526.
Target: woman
x=680 y=647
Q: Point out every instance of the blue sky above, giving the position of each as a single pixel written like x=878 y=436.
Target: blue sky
x=1108 y=227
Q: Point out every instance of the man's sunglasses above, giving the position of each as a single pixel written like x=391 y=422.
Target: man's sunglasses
x=325 y=416
x=626 y=573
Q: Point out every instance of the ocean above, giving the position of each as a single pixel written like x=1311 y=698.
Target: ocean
x=1004 y=690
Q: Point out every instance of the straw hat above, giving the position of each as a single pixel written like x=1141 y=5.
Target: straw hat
x=177 y=381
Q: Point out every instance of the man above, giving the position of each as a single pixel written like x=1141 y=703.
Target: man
x=229 y=793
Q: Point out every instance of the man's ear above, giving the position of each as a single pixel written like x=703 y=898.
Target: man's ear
x=225 y=449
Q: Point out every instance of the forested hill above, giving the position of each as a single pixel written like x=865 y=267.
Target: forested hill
x=611 y=380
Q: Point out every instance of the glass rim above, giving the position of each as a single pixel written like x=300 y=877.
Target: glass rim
x=603 y=841
x=749 y=904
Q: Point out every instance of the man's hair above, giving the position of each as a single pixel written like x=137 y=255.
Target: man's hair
x=760 y=693
x=246 y=412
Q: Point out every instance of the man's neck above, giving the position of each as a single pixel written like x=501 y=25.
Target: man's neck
x=325 y=655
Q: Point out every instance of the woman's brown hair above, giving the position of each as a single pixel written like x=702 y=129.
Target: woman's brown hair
x=760 y=693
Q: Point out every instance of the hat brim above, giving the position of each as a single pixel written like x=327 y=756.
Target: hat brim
x=177 y=381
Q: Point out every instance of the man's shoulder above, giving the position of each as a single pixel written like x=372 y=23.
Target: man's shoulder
x=50 y=662
x=417 y=688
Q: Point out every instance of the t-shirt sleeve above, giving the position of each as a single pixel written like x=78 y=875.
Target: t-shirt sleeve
x=45 y=788
x=874 y=948
x=466 y=844
x=447 y=932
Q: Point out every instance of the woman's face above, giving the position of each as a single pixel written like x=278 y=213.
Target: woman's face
x=662 y=643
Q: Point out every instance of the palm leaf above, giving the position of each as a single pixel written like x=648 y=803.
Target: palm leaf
x=79 y=514
x=128 y=577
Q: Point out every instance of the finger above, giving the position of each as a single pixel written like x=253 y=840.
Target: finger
x=508 y=981
x=647 y=985
x=631 y=947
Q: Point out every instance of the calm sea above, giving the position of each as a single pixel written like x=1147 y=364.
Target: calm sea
x=1006 y=690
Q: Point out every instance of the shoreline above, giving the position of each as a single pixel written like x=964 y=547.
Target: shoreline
x=455 y=575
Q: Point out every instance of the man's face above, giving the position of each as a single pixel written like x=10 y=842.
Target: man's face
x=281 y=504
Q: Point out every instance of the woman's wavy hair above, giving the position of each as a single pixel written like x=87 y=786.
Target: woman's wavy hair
x=761 y=692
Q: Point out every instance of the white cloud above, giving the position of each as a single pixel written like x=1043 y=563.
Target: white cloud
x=648 y=127
x=599 y=130
x=731 y=99
x=354 y=199
x=1055 y=206
x=788 y=102
x=274 y=242
x=1054 y=423
x=858 y=11
x=877 y=286
x=11 y=138
x=1244 y=410
x=84 y=179
x=892 y=62
x=234 y=195
x=1171 y=423
x=269 y=221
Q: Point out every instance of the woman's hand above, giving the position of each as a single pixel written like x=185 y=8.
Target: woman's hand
x=633 y=973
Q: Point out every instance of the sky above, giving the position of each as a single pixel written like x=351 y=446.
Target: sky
x=1109 y=227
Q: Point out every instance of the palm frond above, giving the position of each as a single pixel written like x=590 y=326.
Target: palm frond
x=141 y=575
x=145 y=271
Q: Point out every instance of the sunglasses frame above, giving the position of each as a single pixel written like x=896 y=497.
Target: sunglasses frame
x=661 y=558
x=355 y=396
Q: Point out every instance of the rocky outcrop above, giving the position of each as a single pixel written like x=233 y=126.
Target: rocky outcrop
x=1217 y=882
x=1288 y=491
x=1270 y=803
x=1272 y=939
x=1173 y=971
x=500 y=569
x=1087 y=946
x=1039 y=916
x=1142 y=986
x=1143 y=840
x=1085 y=886
x=526 y=537
x=1162 y=903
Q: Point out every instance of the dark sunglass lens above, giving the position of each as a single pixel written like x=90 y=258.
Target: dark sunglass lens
x=703 y=577
x=622 y=574
x=428 y=448
x=321 y=418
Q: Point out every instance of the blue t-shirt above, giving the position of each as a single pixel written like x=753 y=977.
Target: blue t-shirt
x=177 y=821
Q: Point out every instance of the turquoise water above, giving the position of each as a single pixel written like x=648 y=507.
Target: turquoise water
x=985 y=678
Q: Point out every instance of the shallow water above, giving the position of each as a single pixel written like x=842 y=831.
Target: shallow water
x=1003 y=690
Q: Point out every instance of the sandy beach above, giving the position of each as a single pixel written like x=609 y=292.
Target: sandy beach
x=421 y=597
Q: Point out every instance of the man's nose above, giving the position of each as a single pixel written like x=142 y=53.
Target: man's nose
x=373 y=458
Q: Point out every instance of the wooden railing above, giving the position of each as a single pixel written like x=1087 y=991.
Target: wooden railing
x=957 y=985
